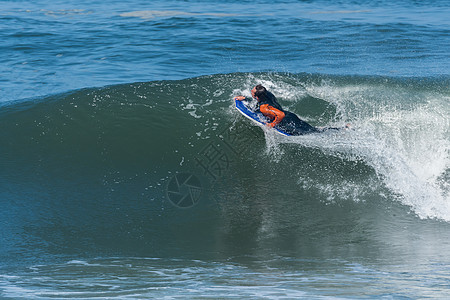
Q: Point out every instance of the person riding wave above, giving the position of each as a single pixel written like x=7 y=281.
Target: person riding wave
x=280 y=118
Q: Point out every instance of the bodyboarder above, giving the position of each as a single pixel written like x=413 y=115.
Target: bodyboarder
x=280 y=118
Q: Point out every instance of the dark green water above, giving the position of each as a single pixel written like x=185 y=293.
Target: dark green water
x=98 y=181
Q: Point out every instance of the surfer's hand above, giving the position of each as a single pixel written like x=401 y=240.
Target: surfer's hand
x=270 y=125
x=240 y=98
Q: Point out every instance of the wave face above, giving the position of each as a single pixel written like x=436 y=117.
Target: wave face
x=169 y=167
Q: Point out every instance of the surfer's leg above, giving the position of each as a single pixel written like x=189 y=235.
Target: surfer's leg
x=293 y=125
x=323 y=129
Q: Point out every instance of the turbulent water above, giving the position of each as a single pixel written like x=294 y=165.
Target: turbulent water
x=126 y=172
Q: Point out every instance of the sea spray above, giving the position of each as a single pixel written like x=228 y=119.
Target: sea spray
x=404 y=136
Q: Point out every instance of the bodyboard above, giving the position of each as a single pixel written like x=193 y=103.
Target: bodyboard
x=244 y=108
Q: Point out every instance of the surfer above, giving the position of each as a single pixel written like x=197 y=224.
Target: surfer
x=280 y=118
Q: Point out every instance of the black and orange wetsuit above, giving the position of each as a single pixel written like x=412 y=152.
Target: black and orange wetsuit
x=287 y=121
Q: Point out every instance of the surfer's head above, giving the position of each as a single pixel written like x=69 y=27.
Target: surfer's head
x=258 y=91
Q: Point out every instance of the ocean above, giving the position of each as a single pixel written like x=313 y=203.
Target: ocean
x=127 y=173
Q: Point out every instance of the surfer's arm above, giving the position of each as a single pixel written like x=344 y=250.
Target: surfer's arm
x=240 y=98
x=273 y=113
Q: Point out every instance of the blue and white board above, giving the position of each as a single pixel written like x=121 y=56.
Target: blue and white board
x=244 y=108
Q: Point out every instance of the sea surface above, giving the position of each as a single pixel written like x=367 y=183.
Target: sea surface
x=126 y=172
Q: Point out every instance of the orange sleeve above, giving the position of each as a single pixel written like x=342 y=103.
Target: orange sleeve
x=273 y=113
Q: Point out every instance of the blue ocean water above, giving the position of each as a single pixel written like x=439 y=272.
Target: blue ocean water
x=55 y=46
x=126 y=172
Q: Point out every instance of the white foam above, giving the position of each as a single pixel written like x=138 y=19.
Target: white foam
x=404 y=140
x=401 y=133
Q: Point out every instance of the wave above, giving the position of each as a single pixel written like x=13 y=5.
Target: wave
x=129 y=159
